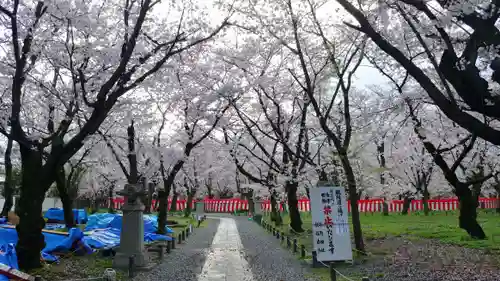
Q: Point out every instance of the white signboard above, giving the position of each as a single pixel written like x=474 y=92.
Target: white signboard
x=330 y=224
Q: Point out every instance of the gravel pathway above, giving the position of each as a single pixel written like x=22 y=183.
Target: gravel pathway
x=225 y=262
x=229 y=249
x=425 y=260
x=185 y=262
x=267 y=259
x=233 y=248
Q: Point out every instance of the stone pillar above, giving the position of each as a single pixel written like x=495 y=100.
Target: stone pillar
x=258 y=207
x=200 y=207
x=132 y=232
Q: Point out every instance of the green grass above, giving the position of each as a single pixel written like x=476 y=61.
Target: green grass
x=324 y=274
x=74 y=267
x=441 y=226
x=438 y=226
x=184 y=221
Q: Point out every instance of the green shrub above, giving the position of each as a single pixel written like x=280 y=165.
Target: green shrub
x=257 y=218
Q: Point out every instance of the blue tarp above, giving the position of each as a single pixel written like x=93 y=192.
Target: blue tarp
x=57 y=214
x=103 y=238
x=103 y=230
x=98 y=221
x=8 y=257
x=110 y=237
x=53 y=226
x=104 y=234
x=53 y=242
x=105 y=220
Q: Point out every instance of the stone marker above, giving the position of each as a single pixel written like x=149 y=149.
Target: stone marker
x=200 y=207
x=258 y=207
x=200 y=211
x=132 y=233
x=109 y=274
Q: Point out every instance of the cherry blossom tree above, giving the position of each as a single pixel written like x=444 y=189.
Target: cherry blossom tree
x=257 y=159
x=201 y=114
x=456 y=76
x=93 y=55
x=409 y=89
x=458 y=47
x=468 y=202
x=8 y=188
x=216 y=169
x=412 y=166
x=67 y=183
x=303 y=26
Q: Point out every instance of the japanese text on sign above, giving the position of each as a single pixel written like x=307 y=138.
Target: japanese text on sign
x=330 y=224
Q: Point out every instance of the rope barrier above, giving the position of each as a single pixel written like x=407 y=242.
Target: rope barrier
x=337 y=272
x=322 y=263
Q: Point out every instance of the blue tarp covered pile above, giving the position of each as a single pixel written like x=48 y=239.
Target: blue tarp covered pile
x=59 y=243
x=55 y=243
x=8 y=257
x=102 y=232
x=105 y=220
x=57 y=215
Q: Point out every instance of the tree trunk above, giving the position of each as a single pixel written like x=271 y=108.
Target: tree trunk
x=187 y=210
x=293 y=208
x=406 y=205
x=157 y=202
x=381 y=161
x=498 y=200
x=144 y=198
x=149 y=199
x=67 y=204
x=167 y=183
x=173 y=204
x=236 y=178
x=425 y=200
x=94 y=206
x=66 y=201
x=162 y=215
x=251 y=203
x=163 y=204
x=385 y=208
x=353 y=195
x=275 y=214
x=468 y=213
x=335 y=176
x=476 y=192
x=133 y=177
x=34 y=183
x=8 y=188
x=111 y=209
x=322 y=176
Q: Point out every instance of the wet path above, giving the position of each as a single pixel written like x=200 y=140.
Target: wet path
x=229 y=249
x=186 y=261
x=267 y=259
x=225 y=260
